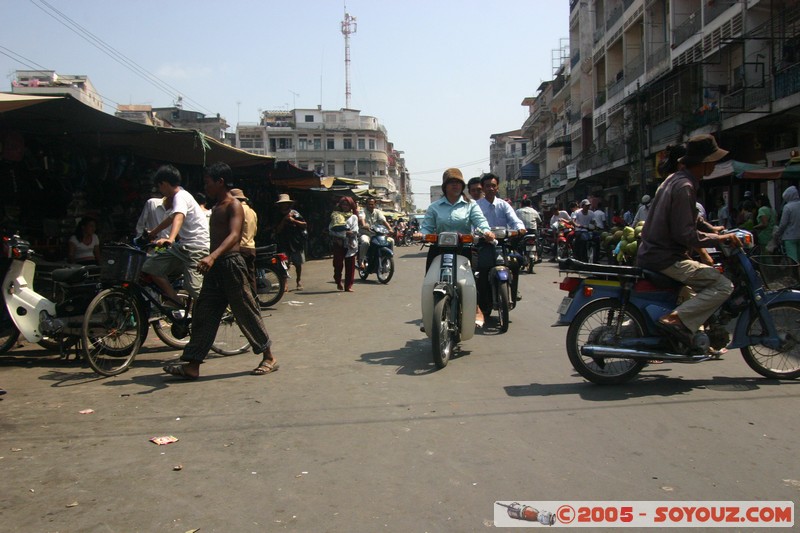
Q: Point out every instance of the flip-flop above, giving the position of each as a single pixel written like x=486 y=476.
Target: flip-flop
x=264 y=368
x=179 y=371
x=678 y=330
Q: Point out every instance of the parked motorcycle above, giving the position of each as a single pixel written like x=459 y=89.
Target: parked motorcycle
x=272 y=271
x=380 y=256
x=37 y=318
x=558 y=242
x=449 y=296
x=612 y=312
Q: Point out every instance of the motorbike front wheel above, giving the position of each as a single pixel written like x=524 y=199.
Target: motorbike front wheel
x=385 y=269
x=270 y=287
x=112 y=332
x=596 y=324
x=503 y=306
x=783 y=363
x=562 y=250
x=443 y=332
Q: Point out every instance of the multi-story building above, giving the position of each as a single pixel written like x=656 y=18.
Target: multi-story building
x=506 y=154
x=50 y=83
x=340 y=143
x=644 y=74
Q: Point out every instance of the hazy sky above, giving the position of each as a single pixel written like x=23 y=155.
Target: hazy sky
x=441 y=76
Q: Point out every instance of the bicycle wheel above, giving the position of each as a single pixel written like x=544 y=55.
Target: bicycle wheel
x=270 y=287
x=229 y=340
x=112 y=332
x=163 y=327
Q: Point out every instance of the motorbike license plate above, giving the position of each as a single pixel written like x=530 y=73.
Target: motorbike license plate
x=529 y=248
x=565 y=303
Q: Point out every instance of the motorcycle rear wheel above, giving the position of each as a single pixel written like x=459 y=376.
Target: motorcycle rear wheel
x=270 y=287
x=229 y=340
x=385 y=269
x=442 y=332
x=529 y=266
x=776 y=364
x=595 y=324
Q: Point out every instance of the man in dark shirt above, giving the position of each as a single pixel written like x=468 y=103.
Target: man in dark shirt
x=671 y=232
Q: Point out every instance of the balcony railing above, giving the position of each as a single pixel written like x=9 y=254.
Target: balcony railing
x=634 y=69
x=600 y=98
x=658 y=55
x=787 y=82
x=686 y=29
x=714 y=8
x=615 y=86
x=598 y=34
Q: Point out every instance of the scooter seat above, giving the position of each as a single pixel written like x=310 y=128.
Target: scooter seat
x=74 y=274
x=573 y=265
x=661 y=281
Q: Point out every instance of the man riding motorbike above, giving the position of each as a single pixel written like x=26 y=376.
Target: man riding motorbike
x=671 y=233
x=585 y=225
x=370 y=217
x=499 y=214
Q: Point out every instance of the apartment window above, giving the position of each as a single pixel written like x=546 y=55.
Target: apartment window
x=281 y=143
x=302 y=143
x=348 y=143
x=663 y=103
x=330 y=144
x=317 y=144
x=362 y=144
x=372 y=144
x=309 y=118
x=331 y=169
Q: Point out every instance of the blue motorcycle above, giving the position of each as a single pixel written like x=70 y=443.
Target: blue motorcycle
x=612 y=312
x=380 y=256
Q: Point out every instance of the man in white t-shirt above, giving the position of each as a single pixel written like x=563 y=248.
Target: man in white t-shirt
x=188 y=226
x=371 y=216
x=584 y=226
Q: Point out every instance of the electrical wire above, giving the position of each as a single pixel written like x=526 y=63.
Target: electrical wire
x=114 y=54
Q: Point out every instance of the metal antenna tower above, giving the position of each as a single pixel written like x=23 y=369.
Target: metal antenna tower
x=348 y=26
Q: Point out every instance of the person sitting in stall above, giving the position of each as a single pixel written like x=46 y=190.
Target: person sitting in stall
x=83 y=246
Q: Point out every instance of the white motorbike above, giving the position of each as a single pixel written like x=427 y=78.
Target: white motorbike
x=449 y=296
x=37 y=318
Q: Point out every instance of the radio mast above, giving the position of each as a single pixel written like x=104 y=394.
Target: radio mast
x=348 y=26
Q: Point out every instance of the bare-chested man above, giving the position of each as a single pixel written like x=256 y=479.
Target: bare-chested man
x=224 y=283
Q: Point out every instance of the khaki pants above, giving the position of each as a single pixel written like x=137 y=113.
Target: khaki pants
x=710 y=286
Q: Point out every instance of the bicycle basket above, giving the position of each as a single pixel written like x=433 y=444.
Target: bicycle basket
x=777 y=271
x=120 y=263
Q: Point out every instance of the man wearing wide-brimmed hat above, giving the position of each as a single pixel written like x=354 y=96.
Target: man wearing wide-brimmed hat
x=291 y=235
x=671 y=232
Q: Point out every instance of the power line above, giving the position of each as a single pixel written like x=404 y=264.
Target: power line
x=470 y=163
x=21 y=59
x=113 y=53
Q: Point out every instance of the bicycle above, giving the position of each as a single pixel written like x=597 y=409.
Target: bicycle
x=117 y=319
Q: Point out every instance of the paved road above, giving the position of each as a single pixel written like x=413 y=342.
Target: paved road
x=359 y=432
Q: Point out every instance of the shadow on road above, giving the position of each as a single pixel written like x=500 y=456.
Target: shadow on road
x=414 y=359
x=642 y=387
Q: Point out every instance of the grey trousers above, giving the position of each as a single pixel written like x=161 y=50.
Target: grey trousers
x=710 y=286
x=225 y=284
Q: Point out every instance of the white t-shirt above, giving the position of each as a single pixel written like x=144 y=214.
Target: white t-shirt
x=600 y=219
x=194 y=232
x=153 y=213
x=84 y=252
x=584 y=219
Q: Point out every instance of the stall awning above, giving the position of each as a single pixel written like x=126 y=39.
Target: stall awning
x=67 y=117
x=773 y=173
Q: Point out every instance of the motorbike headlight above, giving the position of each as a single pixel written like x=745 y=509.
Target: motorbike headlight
x=448 y=238
x=500 y=233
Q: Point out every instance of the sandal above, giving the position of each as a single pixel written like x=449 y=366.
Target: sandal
x=179 y=371
x=677 y=329
x=264 y=368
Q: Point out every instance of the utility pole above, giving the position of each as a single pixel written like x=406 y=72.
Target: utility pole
x=348 y=26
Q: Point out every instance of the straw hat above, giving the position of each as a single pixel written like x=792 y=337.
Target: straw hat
x=284 y=199
x=239 y=195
